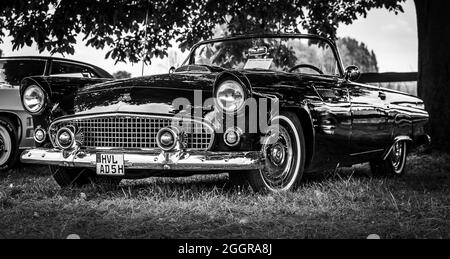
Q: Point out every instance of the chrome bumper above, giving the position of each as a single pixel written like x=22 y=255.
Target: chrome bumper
x=227 y=161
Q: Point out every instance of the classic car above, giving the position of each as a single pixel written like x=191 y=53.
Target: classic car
x=264 y=108
x=16 y=125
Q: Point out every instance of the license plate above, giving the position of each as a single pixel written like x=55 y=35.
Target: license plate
x=110 y=164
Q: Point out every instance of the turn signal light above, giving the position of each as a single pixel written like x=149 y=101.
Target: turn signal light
x=232 y=136
x=39 y=135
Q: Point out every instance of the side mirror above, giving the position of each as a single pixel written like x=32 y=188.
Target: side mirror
x=352 y=73
x=171 y=70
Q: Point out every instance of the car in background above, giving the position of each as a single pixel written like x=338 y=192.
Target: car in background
x=16 y=125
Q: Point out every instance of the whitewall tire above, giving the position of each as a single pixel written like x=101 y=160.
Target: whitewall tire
x=284 y=158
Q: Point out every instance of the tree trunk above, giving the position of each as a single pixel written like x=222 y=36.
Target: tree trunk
x=433 y=20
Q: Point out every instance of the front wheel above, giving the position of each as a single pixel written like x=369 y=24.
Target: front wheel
x=394 y=165
x=78 y=177
x=284 y=158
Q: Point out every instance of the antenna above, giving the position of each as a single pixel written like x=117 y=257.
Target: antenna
x=145 y=38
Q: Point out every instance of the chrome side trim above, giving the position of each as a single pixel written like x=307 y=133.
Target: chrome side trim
x=396 y=140
x=177 y=161
x=367 y=152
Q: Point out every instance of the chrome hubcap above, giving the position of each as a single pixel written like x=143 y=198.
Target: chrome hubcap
x=398 y=156
x=279 y=153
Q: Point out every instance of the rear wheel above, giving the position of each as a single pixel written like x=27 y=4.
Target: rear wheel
x=284 y=158
x=9 y=146
x=78 y=177
x=394 y=165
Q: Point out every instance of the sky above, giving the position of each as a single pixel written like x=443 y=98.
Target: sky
x=392 y=37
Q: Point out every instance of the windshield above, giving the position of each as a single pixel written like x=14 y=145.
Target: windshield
x=296 y=55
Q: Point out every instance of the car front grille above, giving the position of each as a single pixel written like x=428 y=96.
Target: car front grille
x=133 y=131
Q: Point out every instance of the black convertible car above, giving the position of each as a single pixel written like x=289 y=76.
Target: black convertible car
x=264 y=108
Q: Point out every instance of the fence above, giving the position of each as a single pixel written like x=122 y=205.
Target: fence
x=405 y=82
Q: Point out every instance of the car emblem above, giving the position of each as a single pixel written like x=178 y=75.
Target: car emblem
x=125 y=97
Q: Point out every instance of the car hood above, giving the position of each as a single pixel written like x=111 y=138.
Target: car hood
x=157 y=94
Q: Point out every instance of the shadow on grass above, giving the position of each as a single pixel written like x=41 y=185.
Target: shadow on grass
x=361 y=171
x=193 y=184
x=25 y=171
x=348 y=203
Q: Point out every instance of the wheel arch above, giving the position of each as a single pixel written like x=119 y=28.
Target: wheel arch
x=397 y=139
x=308 y=130
x=16 y=121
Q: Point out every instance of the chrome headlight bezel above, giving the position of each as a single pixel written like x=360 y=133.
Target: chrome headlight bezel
x=167 y=146
x=36 y=93
x=234 y=91
x=71 y=135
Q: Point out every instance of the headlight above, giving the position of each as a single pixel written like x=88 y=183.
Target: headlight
x=65 y=138
x=33 y=99
x=230 y=96
x=166 y=139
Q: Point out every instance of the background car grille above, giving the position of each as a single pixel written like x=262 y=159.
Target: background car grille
x=134 y=132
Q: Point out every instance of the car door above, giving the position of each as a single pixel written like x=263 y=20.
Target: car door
x=332 y=121
x=371 y=131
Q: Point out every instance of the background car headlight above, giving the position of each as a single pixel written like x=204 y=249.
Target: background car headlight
x=230 y=96
x=33 y=99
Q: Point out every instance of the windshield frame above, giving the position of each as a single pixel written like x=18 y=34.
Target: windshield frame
x=190 y=60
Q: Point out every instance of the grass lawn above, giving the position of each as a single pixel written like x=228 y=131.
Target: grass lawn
x=346 y=204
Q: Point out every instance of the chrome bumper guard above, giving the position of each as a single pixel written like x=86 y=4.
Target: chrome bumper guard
x=228 y=161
